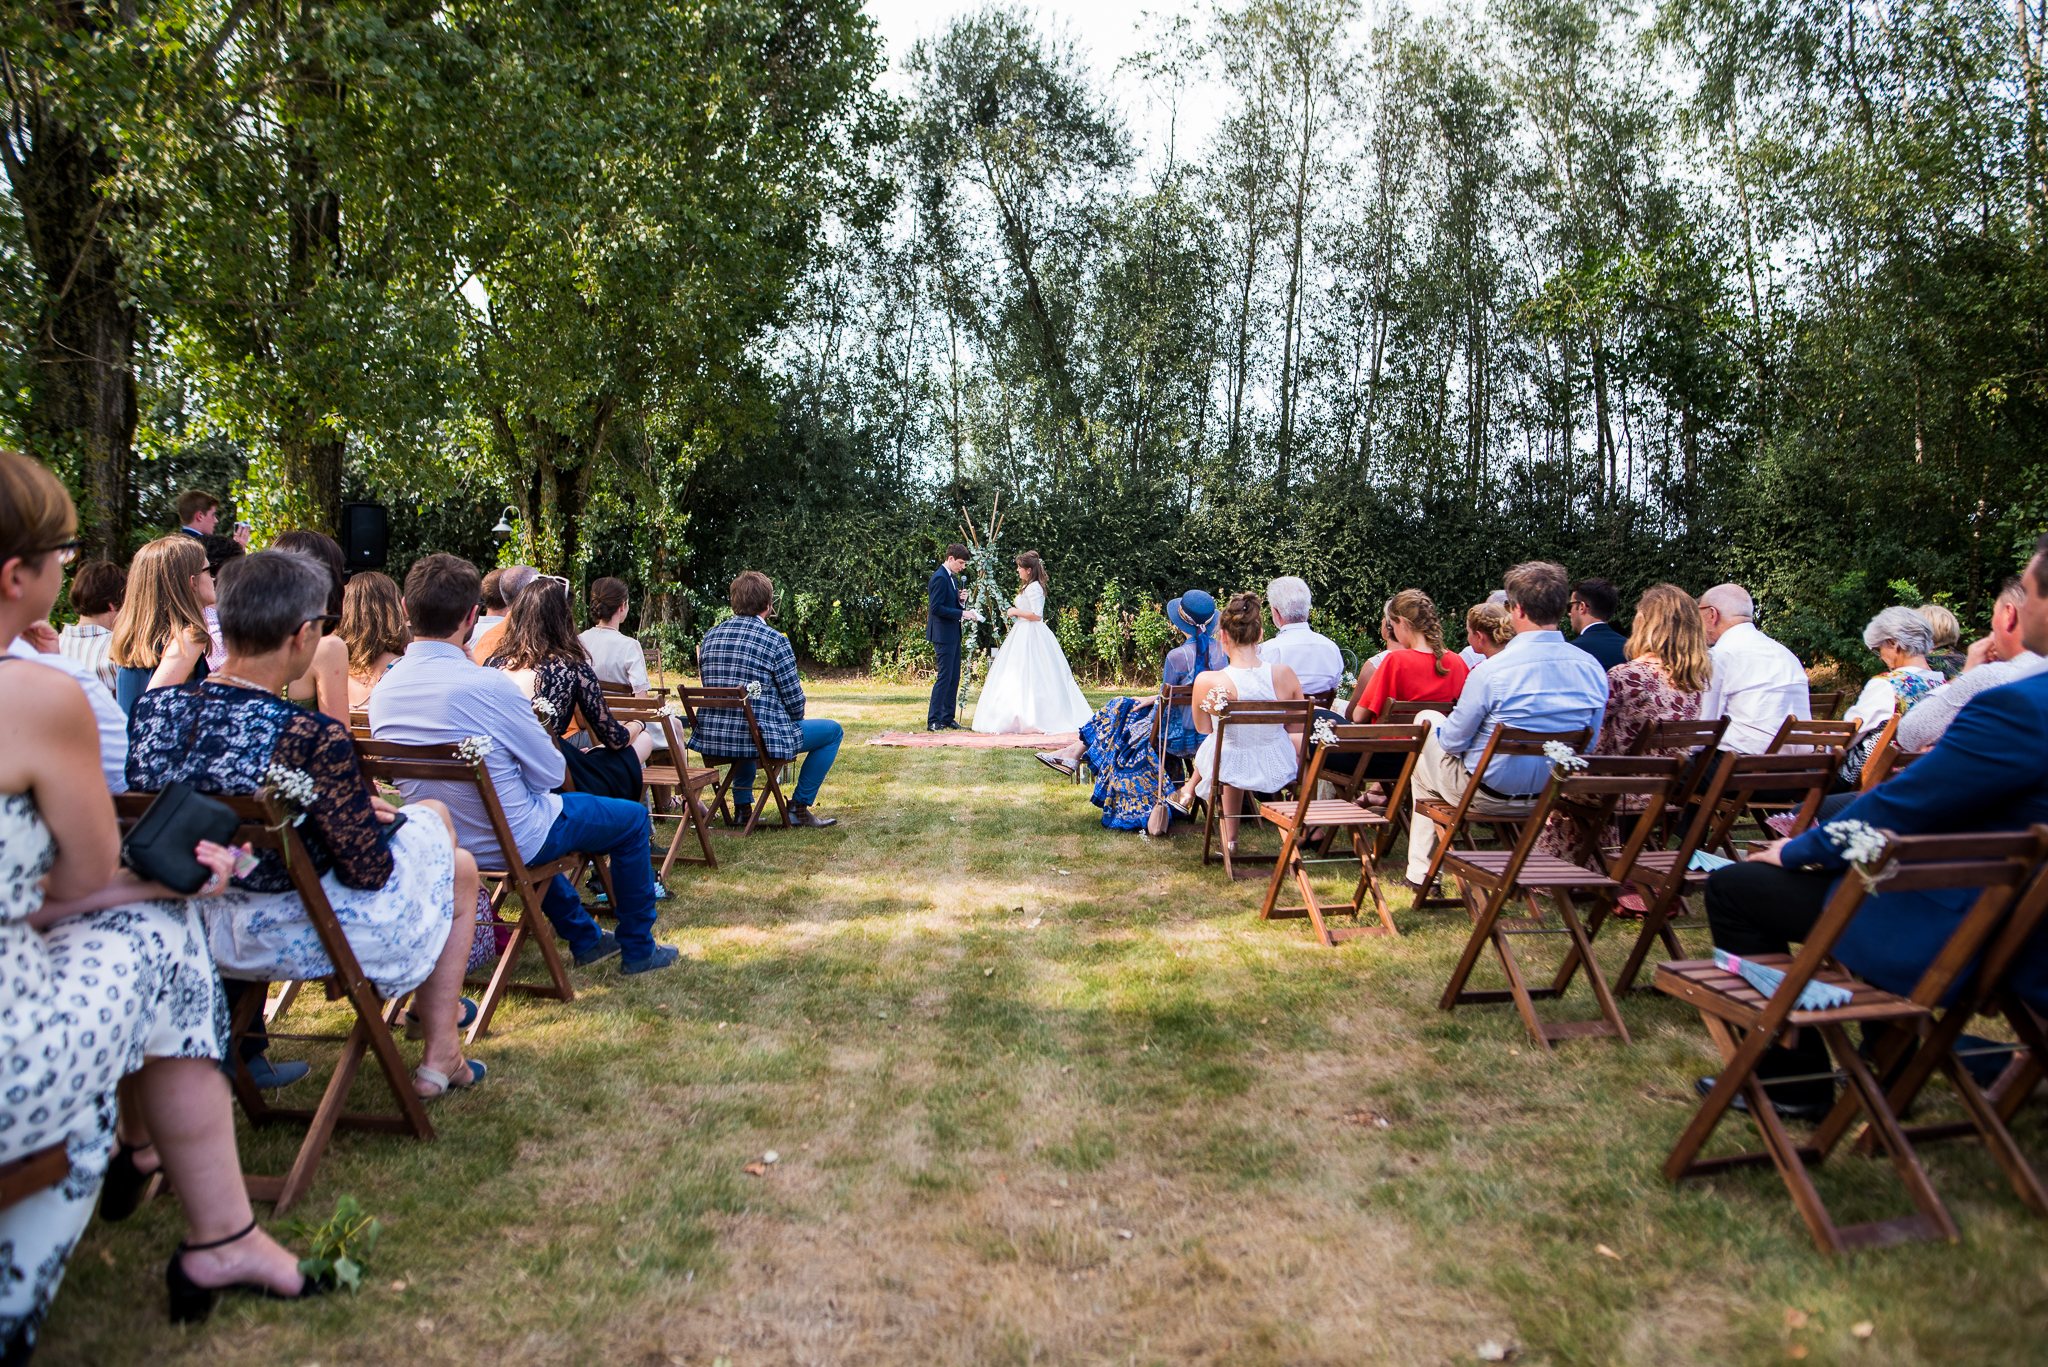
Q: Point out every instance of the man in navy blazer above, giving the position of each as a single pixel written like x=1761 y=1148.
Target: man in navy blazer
x=1593 y=602
x=942 y=629
x=1986 y=773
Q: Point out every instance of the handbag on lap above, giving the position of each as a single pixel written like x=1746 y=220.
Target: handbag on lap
x=160 y=845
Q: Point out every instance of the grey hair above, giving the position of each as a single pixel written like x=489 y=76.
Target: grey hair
x=1498 y=597
x=1903 y=627
x=1731 y=601
x=1289 y=598
x=265 y=597
x=514 y=580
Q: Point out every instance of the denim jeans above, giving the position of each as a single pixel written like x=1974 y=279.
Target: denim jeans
x=820 y=747
x=602 y=825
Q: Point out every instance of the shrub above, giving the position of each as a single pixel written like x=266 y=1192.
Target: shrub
x=1109 y=629
x=1073 y=640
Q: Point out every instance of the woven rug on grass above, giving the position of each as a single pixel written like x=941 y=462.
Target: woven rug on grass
x=972 y=740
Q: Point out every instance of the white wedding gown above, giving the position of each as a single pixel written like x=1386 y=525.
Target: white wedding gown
x=1029 y=686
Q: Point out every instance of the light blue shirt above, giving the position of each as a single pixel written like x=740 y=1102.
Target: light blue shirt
x=1539 y=682
x=436 y=695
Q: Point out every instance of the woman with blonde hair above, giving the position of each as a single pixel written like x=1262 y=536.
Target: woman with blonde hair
x=160 y=638
x=373 y=625
x=1667 y=670
x=1418 y=669
x=1488 y=629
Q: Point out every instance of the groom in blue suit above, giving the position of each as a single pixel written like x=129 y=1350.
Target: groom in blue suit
x=942 y=629
x=1986 y=773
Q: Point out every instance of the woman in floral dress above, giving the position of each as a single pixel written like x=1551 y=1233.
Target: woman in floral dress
x=1662 y=680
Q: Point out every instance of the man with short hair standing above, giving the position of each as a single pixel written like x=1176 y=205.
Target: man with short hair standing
x=1315 y=659
x=947 y=610
x=198 y=514
x=436 y=695
x=1593 y=602
x=1538 y=682
x=1757 y=683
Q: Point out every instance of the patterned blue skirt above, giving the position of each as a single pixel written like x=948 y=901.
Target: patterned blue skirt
x=1120 y=751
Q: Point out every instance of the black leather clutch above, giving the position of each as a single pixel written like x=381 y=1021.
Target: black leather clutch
x=161 y=843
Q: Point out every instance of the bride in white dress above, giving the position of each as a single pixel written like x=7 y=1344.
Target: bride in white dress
x=1029 y=686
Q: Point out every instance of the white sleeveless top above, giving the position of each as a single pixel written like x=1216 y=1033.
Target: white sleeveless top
x=1257 y=759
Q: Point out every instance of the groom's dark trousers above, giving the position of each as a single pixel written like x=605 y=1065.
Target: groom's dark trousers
x=942 y=629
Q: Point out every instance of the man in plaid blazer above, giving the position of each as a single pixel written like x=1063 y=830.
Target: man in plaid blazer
x=745 y=652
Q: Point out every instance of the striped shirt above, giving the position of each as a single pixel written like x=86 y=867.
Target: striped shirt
x=88 y=644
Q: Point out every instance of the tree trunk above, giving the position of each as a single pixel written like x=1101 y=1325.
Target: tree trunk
x=82 y=404
x=312 y=453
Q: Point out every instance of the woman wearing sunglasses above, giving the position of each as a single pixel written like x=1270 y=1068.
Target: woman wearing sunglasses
x=160 y=638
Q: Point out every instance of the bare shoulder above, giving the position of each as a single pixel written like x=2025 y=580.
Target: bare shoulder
x=1286 y=684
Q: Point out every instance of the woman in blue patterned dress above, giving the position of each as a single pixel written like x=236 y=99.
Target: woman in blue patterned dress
x=394 y=883
x=102 y=977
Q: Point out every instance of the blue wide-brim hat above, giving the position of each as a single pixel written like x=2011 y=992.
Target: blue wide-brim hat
x=1193 y=612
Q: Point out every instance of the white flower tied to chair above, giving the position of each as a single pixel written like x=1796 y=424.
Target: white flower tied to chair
x=753 y=689
x=1564 y=761
x=475 y=749
x=295 y=792
x=671 y=709
x=1218 y=701
x=1862 y=844
x=1323 y=733
x=543 y=709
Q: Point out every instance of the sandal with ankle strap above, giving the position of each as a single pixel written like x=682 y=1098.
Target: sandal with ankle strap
x=192 y=1303
x=472 y=1072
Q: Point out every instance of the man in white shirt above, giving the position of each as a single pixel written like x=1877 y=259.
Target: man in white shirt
x=1757 y=683
x=1314 y=657
x=1999 y=659
x=1538 y=682
x=436 y=694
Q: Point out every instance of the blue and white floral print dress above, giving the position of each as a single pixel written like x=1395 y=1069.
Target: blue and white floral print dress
x=82 y=1004
x=395 y=901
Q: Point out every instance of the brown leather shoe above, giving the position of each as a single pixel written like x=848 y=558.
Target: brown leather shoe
x=800 y=815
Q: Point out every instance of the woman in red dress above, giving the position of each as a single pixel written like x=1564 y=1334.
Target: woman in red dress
x=1418 y=668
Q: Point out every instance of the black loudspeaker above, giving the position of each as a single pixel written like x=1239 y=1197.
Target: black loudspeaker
x=365 y=536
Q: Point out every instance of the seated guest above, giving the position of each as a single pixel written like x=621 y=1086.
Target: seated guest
x=1757 y=683
x=512 y=581
x=76 y=928
x=160 y=636
x=1317 y=662
x=394 y=884
x=1539 y=682
x=1663 y=679
x=1416 y=668
x=1593 y=602
x=1487 y=629
x=1372 y=662
x=44 y=646
x=1984 y=774
x=1948 y=634
x=743 y=651
x=219 y=550
x=494 y=604
x=373 y=629
x=324 y=687
x=96 y=592
x=615 y=658
x=1255 y=759
x=1901 y=638
x=437 y=695
x=1999 y=659
x=541 y=653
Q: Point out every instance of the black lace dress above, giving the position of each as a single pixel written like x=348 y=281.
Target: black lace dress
x=569 y=688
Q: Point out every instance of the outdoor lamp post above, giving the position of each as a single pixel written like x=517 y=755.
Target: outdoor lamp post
x=503 y=531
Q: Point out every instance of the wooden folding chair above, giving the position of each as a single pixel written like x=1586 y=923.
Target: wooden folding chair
x=1297 y=819
x=1796 y=737
x=767 y=769
x=1885 y=757
x=1702 y=739
x=1170 y=697
x=1250 y=712
x=1908 y=1062
x=1744 y=1023
x=1403 y=711
x=1351 y=787
x=1823 y=706
x=390 y=762
x=1452 y=820
x=23 y=1177
x=673 y=785
x=1522 y=873
x=1667 y=876
x=266 y=825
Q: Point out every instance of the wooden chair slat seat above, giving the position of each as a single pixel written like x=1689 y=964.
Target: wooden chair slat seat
x=1297 y=819
x=1455 y=819
x=1486 y=868
x=388 y=761
x=23 y=1177
x=265 y=825
x=1744 y=1023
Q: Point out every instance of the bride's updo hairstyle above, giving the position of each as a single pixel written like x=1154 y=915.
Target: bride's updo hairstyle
x=1414 y=607
x=1241 y=618
x=1033 y=567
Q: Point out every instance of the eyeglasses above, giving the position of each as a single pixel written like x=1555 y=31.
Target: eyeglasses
x=325 y=619
x=556 y=579
x=65 y=551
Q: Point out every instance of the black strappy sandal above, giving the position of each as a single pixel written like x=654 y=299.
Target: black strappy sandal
x=122 y=1191
x=192 y=1303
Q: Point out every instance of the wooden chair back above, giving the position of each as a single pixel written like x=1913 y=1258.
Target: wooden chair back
x=1403 y=711
x=768 y=768
x=1326 y=698
x=389 y=762
x=676 y=783
x=1823 y=706
x=1454 y=820
x=1995 y=867
x=1796 y=735
x=1701 y=739
x=1877 y=765
x=1299 y=715
x=616 y=690
x=267 y=826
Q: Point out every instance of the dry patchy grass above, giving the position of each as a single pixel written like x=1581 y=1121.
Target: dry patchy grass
x=1047 y=1094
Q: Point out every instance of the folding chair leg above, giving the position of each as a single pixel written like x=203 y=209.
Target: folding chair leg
x=285 y=998
x=1369 y=879
x=1933 y=1221
x=1582 y=948
x=1997 y=1138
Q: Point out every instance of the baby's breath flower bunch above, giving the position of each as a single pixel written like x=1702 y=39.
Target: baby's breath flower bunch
x=1217 y=703
x=1862 y=845
x=475 y=749
x=1563 y=761
x=1323 y=733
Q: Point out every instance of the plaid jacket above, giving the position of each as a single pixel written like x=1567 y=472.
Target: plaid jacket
x=741 y=651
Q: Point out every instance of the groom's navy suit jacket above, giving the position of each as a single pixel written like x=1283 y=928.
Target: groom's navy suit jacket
x=942 y=623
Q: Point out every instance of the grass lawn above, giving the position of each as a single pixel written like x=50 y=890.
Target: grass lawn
x=1045 y=1093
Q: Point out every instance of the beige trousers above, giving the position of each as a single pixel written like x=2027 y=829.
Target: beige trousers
x=1442 y=777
